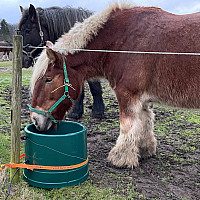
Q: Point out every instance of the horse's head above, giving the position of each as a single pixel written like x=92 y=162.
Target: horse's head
x=54 y=91
x=34 y=32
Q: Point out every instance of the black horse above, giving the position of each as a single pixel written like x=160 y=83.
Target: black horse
x=38 y=25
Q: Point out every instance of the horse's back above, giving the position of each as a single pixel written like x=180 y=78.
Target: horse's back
x=173 y=79
x=169 y=79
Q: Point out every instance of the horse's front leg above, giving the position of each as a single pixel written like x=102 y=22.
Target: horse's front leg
x=77 y=110
x=136 y=137
x=98 y=105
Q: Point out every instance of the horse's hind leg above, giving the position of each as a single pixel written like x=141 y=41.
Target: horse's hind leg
x=147 y=142
x=136 y=137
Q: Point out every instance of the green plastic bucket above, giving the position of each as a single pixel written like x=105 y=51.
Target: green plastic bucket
x=65 y=146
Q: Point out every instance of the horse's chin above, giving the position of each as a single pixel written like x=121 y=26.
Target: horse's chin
x=41 y=122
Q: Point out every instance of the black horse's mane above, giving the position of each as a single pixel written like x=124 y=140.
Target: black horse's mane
x=59 y=20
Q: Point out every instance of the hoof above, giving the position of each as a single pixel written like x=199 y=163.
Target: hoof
x=148 y=149
x=74 y=115
x=98 y=109
x=146 y=153
x=123 y=159
x=98 y=115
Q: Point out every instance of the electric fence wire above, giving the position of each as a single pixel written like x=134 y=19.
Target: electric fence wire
x=112 y=51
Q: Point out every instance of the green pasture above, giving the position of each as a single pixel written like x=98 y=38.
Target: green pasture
x=6 y=64
x=177 y=132
x=22 y=190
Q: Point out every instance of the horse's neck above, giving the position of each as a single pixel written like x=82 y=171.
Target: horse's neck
x=98 y=62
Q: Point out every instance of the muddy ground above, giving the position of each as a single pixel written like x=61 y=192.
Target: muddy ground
x=174 y=173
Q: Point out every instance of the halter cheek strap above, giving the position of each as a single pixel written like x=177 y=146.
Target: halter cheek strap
x=42 y=43
x=65 y=95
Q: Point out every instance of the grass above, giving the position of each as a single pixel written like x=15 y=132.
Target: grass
x=175 y=129
x=6 y=64
x=181 y=133
x=87 y=190
x=4 y=146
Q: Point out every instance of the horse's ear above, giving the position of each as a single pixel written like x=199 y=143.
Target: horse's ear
x=51 y=54
x=49 y=44
x=32 y=12
x=21 y=9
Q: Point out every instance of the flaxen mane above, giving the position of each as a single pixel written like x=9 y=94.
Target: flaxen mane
x=78 y=37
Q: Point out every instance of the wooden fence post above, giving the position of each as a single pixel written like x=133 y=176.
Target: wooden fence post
x=16 y=103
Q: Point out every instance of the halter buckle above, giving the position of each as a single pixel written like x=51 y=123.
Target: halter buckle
x=41 y=33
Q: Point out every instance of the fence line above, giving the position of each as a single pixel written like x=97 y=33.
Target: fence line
x=113 y=51
x=6 y=47
x=116 y=51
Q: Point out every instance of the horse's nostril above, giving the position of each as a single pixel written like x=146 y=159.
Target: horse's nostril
x=35 y=121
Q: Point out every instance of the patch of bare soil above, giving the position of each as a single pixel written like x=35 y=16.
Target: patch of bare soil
x=174 y=173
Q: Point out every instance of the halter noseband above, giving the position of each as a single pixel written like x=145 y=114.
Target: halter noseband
x=42 y=43
x=65 y=95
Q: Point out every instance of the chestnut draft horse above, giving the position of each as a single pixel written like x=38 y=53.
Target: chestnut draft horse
x=137 y=79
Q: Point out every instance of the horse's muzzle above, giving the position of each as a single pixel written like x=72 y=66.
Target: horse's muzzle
x=26 y=61
x=41 y=122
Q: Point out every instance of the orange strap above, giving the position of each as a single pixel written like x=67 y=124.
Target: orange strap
x=23 y=155
x=32 y=167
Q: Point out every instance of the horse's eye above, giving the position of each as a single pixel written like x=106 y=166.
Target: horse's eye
x=48 y=79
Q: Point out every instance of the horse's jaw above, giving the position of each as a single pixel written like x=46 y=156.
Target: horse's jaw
x=41 y=122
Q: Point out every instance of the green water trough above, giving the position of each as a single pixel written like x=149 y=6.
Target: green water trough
x=66 y=146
